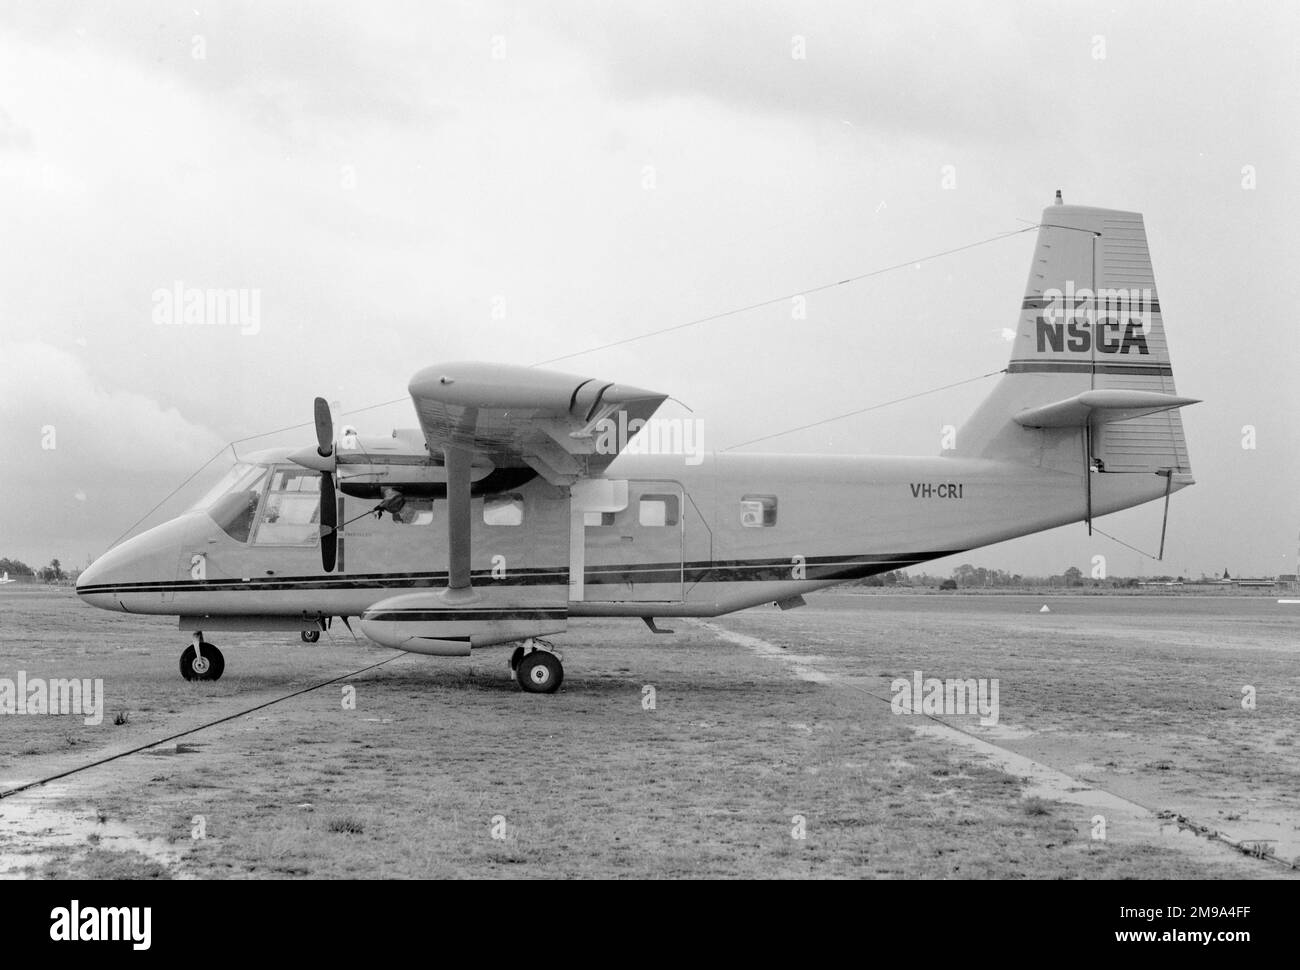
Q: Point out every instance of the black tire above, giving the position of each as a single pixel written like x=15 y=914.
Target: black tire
x=212 y=667
x=540 y=672
x=310 y=636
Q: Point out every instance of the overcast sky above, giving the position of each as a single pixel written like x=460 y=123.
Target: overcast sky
x=404 y=184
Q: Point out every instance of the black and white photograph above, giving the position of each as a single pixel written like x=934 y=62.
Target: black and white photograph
x=714 y=441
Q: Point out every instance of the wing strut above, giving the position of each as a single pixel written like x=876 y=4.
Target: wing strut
x=458 y=524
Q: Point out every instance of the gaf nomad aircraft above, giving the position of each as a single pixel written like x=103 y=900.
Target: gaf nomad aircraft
x=510 y=511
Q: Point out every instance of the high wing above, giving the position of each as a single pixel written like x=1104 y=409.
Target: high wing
x=563 y=426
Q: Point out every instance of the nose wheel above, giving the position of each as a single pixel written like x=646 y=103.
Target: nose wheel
x=202 y=661
x=310 y=636
x=536 y=669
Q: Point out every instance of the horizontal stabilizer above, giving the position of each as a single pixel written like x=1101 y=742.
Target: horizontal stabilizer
x=1100 y=406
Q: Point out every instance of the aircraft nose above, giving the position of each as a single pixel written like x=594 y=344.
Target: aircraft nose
x=127 y=578
x=92 y=585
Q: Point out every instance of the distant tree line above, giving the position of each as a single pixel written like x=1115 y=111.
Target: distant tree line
x=967 y=576
x=52 y=573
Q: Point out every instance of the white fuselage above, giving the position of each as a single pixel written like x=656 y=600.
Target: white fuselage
x=729 y=532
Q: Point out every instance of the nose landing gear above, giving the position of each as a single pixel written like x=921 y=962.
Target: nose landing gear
x=202 y=661
x=310 y=636
x=536 y=667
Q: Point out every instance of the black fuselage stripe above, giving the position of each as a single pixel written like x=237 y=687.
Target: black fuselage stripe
x=752 y=570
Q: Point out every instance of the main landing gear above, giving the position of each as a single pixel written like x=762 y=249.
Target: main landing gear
x=202 y=661
x=536 y=666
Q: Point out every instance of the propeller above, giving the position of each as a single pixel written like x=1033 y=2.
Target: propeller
x=324 y=428
x=329 y=522
x=329 y=509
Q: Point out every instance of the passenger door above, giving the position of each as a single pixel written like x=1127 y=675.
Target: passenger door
x=631 y=542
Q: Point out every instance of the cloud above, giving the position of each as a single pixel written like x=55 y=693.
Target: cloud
x=13 y=136
x=83 y=458
x=274 y=66
x=896 y=68
x=56 y=412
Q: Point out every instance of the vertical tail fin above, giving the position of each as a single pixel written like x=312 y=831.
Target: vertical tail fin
x=1090 y=320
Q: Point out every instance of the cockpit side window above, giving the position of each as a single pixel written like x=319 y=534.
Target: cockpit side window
x=234 y=513
x=232 y=503
x=291 y=513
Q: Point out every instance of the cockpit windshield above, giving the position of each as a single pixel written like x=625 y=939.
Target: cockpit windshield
x=232 y=502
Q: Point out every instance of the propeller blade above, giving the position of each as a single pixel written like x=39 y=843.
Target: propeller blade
x=329 y=521
x=324 y=428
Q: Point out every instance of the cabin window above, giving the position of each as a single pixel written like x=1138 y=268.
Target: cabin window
x=597 y=519
x=503 y=510
x=291 y=513
x=757 y=511
x=658 y=510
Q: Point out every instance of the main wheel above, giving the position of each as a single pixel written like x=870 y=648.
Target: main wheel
x=540 y=672
x=207 y=665
x=310 y=636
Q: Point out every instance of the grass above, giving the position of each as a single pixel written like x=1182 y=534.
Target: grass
x=345 y=826
x=446 y=769
x=97 y=863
